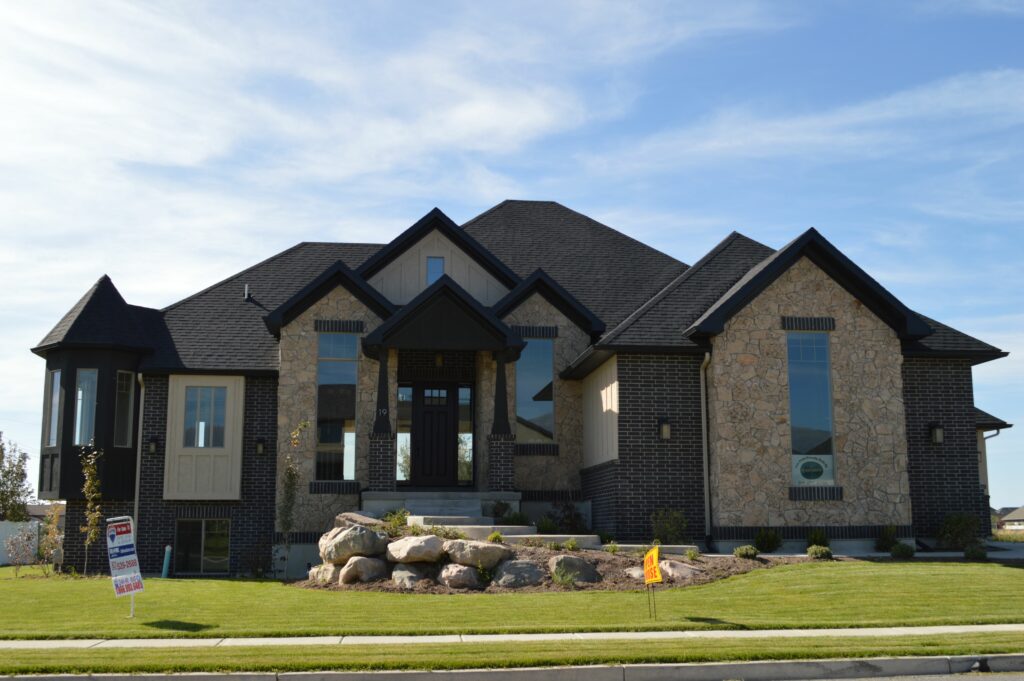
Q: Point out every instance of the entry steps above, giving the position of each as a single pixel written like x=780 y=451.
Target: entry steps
x=481 y=527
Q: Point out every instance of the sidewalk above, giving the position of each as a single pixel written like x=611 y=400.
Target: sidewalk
x=506 y=638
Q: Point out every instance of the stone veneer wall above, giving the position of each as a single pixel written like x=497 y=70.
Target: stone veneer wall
x=944 y=478
x=560 y=472
x=297 y=402
x=749 y=423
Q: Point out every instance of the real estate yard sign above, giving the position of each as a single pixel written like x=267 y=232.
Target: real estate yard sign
x=124 y=563
x=652 y=576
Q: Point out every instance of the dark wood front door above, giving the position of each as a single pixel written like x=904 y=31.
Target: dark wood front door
x=435 y=435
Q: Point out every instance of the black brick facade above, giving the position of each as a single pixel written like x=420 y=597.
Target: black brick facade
x=382 y=458
x=601 y=487
x=944 y=478
x=500 y=469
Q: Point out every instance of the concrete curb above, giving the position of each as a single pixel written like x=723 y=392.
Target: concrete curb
x=785 y=670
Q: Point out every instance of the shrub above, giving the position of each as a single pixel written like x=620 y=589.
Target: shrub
x=532 y=542
x=886 y=539
x=817 y=537
x=553 y=546
x=668 y=526
x=749 y=552
x=516 y=518
x=415 y=530
x=976 y=551
x=547 y=525
x=21 y=547
x=901 y=551
x=571 y=544
x=395 y=522
x=564 y=578
x=447 y=532
x=692 y=554
x=818 y=552
x=496 y=538
x=485 y=575
x=611 y=547
x=958 y=531
x=767 y=540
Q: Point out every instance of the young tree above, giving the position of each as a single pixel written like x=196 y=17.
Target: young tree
x=21 y=547
x=90 y=458
x=51 y=545
x=14 y=488
x=289 y=490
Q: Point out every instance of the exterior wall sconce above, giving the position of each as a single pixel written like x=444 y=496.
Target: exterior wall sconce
x=261 y=445
x=664 y=429
x=153 y=442
x=937 y=432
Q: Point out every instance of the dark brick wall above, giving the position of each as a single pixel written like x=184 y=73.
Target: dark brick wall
x=500 y=469
x=382 y=459
x=74 y=540
x=601 y=487
x=421 y=365
x=652 y=473
x=944 y=478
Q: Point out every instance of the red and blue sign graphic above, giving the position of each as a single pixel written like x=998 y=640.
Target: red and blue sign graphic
x=124 y=563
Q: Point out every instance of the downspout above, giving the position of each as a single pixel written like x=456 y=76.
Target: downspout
x=138 y=451
x=708 y=539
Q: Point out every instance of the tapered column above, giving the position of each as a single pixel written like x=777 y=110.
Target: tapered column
x=501 y=442
x=382 y=441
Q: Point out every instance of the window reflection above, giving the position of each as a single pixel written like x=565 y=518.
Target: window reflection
x=535 y=413
x=810 y=408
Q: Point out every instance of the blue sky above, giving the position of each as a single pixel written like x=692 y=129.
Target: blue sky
x=172 y=144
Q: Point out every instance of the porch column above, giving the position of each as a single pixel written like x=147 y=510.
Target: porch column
x=501 y=443
x=382 y=441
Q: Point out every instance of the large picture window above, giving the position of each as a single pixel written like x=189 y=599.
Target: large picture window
x=53 y=408
x=85 y=406
x=810 y=408
x=535 y=406
x=123 y=403
x=202 y=546
x=336 y=406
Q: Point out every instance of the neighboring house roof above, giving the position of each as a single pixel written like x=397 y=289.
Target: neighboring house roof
x=101 y=318
x=985 y=421
x=1014 y=515
x=539 y=282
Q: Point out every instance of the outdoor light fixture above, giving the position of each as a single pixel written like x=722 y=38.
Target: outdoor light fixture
x=152 y=444
x=438 y=360
x=664 y=429
x=261 y=444
x=938 y=433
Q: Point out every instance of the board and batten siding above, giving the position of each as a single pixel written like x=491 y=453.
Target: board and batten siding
x=405 y=277
x=601 y=414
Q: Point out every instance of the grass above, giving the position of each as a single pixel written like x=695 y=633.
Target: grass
x=1008 y=535
x=474 y=655
x=839 y=594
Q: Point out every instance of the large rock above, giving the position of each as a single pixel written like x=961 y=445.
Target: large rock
x=473 y=554
x=456 y=576
x=341 y=543
x=676 y=571
x=351 y=519
x=636 y=572
x=363 y=569
x=581 y=570
x=425 y=549
x=325 y=574
x=515 y=574
x=407 y=575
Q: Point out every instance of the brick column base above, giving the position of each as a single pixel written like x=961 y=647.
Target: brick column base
x=382 y=462
x=500 y=471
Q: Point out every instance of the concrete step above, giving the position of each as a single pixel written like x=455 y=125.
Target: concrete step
x=484 y=531
x=448 y=520
x=586 y=541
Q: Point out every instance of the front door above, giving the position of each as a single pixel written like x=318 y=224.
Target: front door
x=435 y=435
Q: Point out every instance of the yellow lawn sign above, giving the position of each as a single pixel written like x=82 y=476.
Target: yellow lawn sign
x=652 y=571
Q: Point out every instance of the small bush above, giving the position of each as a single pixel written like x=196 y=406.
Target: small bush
x=692 y=554
x=553 y=546
x=976 y=551
x=886 y=539
x=611 y=547
x=818 y=552
x=395 y=521
x=496 y=538
x=571 y=544
x=901 y=551
x=485 y=575
x=817 y=537
x=547 y=525
x=958 y=531
x=668 y=526
x=563 y=578
x=416 y=530
x=516 y=518
x=767 y=540
x=532 y=542
x=447 y=532
x=749 y=552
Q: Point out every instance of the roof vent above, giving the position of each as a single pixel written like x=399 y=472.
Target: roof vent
x=247 y=296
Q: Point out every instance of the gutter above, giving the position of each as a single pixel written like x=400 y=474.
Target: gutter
x=708 y=539
x=138 y=449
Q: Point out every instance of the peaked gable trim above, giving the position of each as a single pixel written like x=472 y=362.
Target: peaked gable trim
x=437 y=220
x=845 y=272
x=505 y=339
x=336 y=275
x=542 y=283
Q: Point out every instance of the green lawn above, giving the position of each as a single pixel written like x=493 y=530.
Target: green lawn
x=471 y=655
x=840 y=594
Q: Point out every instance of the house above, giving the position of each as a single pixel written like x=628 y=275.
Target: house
x=1014 y=520
x=528 y=357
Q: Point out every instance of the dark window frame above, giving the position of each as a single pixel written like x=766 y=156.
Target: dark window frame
x=130 y=414
x=178 y=549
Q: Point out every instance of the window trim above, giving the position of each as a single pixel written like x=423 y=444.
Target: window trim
x=76 y=433
x=131 y=407
x=831 y=407
x=54 y=407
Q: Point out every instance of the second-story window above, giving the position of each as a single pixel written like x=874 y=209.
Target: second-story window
x=535 y=406
x=810 y=408
x=435 y=268
x=336 y=406
x=123 y=409
x=85 y=406
x=53 y=408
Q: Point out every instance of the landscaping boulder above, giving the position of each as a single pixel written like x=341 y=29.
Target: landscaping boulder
x=350 y=518
x=425 y=549
x=341 y=543
x=636 y=572
x=407 y=575
x=476 y=553
x=675 y=571
x=325 y=574
x=515 y=574
x=456 y=576
x=363 y=569
x=580 y=569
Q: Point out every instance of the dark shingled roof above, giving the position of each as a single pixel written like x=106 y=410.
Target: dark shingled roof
x=947 y=341
x=100 y=318
x=985 y=421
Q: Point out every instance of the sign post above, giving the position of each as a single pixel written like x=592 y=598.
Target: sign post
x=124 y=563
x=652 y=576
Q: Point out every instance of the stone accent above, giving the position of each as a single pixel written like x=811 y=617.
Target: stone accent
x=382 y=454
x=425 y=549
x=676 y=571
x=341 y=543
x=456 y=576
x=500 y=453
x=944 y=478
x=562 y=471
x=515 y=574
x=580 y=569
x=296 y=402
x=408 y=575
x=363 y=569
x=324 y=574
x=748 y=395
x=476 y=553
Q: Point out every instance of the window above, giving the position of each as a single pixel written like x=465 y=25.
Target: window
x=123 y=403
x=403 y=470
x=85 y=406
x=535 y=412
x=201 y=546
x=435 y=268
x=204 y=416
x=465 y=435
x=336 y=406
x=810 y=408
x=53 y=408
